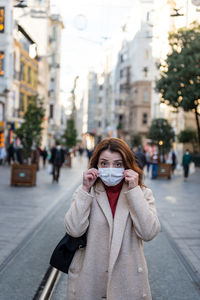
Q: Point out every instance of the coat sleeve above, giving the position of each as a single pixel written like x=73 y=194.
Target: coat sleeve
x=77 y=217
x=143 y=213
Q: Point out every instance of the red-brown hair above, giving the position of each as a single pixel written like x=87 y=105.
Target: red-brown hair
x=117 y=145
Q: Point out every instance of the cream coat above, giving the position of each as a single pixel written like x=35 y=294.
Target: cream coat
x=112 y=266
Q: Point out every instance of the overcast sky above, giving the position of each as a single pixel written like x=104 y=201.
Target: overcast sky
x=88 y=23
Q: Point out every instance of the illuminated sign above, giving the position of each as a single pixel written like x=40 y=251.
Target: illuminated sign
x=2 y=59
x=2 y=19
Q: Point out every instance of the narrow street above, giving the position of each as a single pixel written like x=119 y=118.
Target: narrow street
x=32 y=224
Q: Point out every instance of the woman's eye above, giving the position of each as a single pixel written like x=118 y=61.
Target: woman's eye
x=103 y=164
x=118 y=165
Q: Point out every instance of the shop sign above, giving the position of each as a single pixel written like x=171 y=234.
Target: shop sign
x=1 y=125
x=2 y=61
x=2 y=19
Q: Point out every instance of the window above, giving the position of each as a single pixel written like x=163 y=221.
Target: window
x=29 y=75
x=99 y=124
x=51 y=111
x=146 y=54
x=21 y=102
x=121 y=73
x=100 y=100
x=148 y=16
x=146 y=96
x=2 y=19
x=21 y=70
x=2 y=60
x=52 y=84
x=144 y=118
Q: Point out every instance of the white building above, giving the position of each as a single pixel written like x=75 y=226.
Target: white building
x=36 y=31
x=6 y=63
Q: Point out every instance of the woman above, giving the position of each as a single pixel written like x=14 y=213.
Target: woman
x=118 y=213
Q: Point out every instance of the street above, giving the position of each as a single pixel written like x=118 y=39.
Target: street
x=31 y=221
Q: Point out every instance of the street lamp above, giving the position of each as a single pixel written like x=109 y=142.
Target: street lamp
x=21 y=4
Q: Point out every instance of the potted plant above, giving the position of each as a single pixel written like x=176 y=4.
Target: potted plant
x=30 y=134
x=162 y=135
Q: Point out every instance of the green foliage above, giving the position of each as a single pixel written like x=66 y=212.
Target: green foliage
x=136 y=140
x=161 y=131
x=30 y=132
x=188 y=135
x=179 y=84
x=70 y=134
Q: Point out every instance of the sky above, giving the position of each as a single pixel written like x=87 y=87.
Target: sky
x=88 y=25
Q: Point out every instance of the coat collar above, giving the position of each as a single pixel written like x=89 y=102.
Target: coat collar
x=116 y=225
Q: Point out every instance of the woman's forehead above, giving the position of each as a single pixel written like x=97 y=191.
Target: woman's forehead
x=108 y=155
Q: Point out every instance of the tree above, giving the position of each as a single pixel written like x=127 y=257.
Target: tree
x=188 y=135
x=161 y=134
x=30 y=132
x=179 y=84
x=136 y=140
x=70 y=134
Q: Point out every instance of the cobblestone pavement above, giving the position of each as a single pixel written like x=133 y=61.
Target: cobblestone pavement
x=23 y=208
x=174 y=256
x=178 y=204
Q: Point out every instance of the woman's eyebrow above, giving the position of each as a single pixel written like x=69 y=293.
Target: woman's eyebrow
x=108 y=160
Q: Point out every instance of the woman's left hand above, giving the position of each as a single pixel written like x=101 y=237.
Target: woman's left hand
x=131 y=178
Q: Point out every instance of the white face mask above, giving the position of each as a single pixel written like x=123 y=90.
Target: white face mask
x=111 y=176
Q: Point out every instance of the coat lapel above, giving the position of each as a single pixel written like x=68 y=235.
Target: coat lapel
x=103 y=202
x=119 y=225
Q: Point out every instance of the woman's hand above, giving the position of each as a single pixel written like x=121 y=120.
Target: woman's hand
x=89 y=178
x=131 y=177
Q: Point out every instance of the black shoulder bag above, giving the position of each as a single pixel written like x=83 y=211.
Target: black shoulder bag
x=63 y=254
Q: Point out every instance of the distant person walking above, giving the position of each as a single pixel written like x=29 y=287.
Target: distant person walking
x=2 y=155
x=10 y=153
x=174 y=161
x=186 y=163
x=155 y=161
x=140 y=158
x=148 y=160
x=44 y=155
x=57 y=159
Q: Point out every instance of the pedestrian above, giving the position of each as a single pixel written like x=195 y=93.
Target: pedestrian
x=174 y=160
x=148 y=160
x=140 y=157
x=44 y=155
x=155 y=161
x=20 y=154
x=186 y=163
x=57 y=159
x=89 y=153
x=11 y=153
x=118 y=212
x=2 y=155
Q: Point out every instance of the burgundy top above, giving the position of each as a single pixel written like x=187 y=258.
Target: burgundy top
x=113 y=195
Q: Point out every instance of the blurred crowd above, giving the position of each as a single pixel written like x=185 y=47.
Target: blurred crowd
x=57 y=156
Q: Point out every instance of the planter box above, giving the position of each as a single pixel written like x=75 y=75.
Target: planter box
x=164 y=170
x=68 y=161
x=24 y=175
